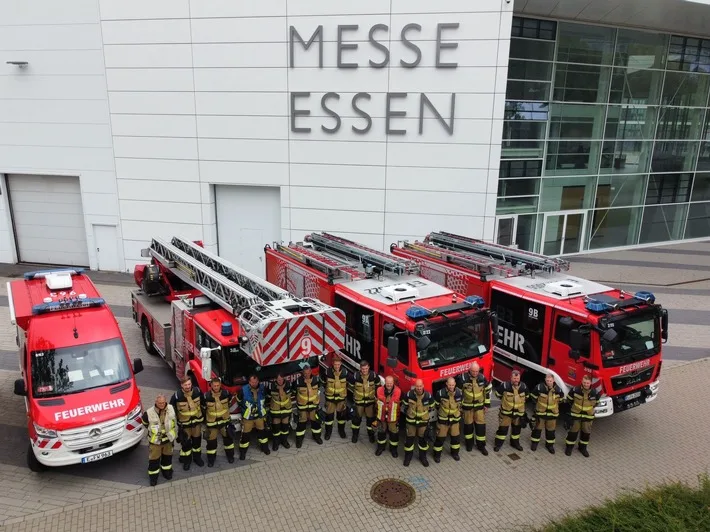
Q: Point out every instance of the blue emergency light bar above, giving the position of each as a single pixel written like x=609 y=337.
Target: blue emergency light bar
x=67 y=304
x=475 y=301
x=44 y=273
x=592 y=305
x=416 y=313
x=648 y=297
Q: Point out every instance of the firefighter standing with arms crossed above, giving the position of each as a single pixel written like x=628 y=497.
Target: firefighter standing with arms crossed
x=217 y=419
x=363 y=384
x=252 y=402
x=583 y=400
x=187 y=403
x=388 y=398
x=335 y=383
x=476 y=392
x=307 y=401
x=448 y=422
x=162 y=430
x=419 y=405
x=512 y=395
x=280 y=409
x=547 y=396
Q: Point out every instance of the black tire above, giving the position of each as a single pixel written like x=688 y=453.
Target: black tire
x=147 y=337
x=32 y=463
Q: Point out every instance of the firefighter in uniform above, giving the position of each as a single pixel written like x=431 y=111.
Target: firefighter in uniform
x=388 y=398
x=448 y=423
x=217 y=419
x=419 y=405
x=583 y=400
x=187 y=403
x=252 y=402
x=280 y=409
x=476 y=391
x=512 y=395
x=162 y=430
x=547 y=396
x=364 y=387
x=307 y=401
x=335 y=383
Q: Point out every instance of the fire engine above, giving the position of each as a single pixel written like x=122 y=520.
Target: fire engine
x=82 y=401
x=206 y=317
x=553 y=322
x=402 y=324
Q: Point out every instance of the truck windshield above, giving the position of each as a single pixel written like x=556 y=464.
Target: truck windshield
x=638 y=337
x=240 y=366
x=454 y=342
x=75 y=369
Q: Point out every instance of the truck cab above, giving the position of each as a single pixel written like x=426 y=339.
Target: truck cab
x=78 y=384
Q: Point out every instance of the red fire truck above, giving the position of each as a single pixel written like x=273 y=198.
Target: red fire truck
x=399 y=322
x=80 y=393
x=206 y=317
x=552 y=322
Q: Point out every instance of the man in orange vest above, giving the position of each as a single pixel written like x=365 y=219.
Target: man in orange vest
x=388 y=398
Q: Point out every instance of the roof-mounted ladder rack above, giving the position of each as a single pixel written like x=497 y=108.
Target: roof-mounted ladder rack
x=334 y=268
x=531 y=261
x=366 y=256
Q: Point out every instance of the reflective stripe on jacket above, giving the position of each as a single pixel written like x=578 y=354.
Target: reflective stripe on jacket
x=307 y=393
x=449 y=405
x=476 y=392
x=583 y=402
x=388 y=404
x=217 y=408
x=162 y=426
x=252 y=407
x=188 y=408
x=364 y=388
x=512 y=399
x=336 y=386
x=280 y=401
x=418 y=407
x=547 y=400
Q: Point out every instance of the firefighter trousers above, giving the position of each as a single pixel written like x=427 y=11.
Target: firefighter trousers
x=304 y=418
x=212 y=433
x=583 y=425
x=249 y=426
x=515 y=427
x=160 y=458
x=474 y=425
x=368 y=412
x=452 y=429
x=550 y=426
x=280 y=426
x=388 y=431
x=334 y=409
x=191 y=443
x=418 y=431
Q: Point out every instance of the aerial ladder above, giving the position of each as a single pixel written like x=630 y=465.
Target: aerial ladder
x=278 y=326
x=529 y=262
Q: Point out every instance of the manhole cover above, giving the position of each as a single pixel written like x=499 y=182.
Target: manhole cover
x=513 y=456
x=392 y=493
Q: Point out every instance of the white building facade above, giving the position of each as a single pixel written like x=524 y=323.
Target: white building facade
x=243 y=123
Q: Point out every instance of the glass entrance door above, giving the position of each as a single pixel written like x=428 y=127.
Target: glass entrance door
x=562 y=232
x=505 y=229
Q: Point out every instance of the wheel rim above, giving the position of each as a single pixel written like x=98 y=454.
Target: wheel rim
x=146 y=338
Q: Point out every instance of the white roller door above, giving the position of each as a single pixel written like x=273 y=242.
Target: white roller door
x=248 y=218
x=48 y=219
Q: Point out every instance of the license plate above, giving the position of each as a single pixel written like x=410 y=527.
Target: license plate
x=632 y=396
x=96 y=457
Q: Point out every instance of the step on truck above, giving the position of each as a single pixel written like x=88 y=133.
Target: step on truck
x=553 y=322
x=209 y=318
x=81 y=397
x=402 y=324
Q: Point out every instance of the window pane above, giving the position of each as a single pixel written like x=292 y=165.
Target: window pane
x=526 y=111
x=661 y=224
x=518 y=187
x=523 y=138
x=529 y=49
x=614 y=227
x=525 y=234
x=520 y=168
x=626 y=157
x=698 y=225
x=668 y=188
x=574 y=121
x=620 y=191
x=578 y=43
x=641 y=49
x=636 y=86
x=630 y=122
x=567 y=193
x=688 y=54
x=529 y=70
x=704 y=157
x=674 y=156
x=581 y=83
x=572 y=157
x=527 y=90
x=680 y=123
x=686 y=89
x=517 y=205
x=701 y=187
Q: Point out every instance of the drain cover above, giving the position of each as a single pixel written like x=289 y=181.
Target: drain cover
x=392 y=493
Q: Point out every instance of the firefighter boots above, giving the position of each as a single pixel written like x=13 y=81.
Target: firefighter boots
x=550 y=447
x=317 y=439
x=437 y=456
x=408 y=457
x=380 y=449
x=168 y=473
x=356 y=433
x=497 y=446
x=393 y=450
x=583 y=450
x=423 y=458
x=568 y=449
x=583 y=442
x=284 y=441
x=230 y=457
x=210 y=460
x=242 y=454
x=199 y=462
x=153 y=480
x=275 y=443
x=482 y=448
x=371 y=435
x=533 y=446
x=341 y=430
x=455 y=455
x=265 y=448
x=515 y=444
x=328 y=431
x=469 y=445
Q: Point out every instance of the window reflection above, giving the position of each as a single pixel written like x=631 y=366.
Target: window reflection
x=662 y=223
x=634 y=48
x=698 y=225
x=614 y=227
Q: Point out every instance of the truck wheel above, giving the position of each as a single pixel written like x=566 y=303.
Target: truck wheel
x=34 y=465
x=147 y=337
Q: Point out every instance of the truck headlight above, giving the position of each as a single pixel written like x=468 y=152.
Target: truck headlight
x=44 y=433
x=136 y=412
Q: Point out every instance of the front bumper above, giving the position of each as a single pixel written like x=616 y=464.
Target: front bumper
x=619 y=403
x=64 y=457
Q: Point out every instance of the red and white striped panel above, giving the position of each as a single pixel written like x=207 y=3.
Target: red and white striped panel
x=305 y=336
x=134 y=424
x=273 y=341
x=597 y=385
x=334 y=329
x=48 y=443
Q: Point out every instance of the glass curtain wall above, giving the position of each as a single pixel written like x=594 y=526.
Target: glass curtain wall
x=606 y=138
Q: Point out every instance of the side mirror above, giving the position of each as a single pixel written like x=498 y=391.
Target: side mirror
x=574 y=354
x=579 y=341
x=20 y=387
x=494 y=327
x=610 y=336
x=388 y=330
x=205 y=353
x=422 y=343
x=664 y=324
x=391 y=362
x=137 y=365
x=392 y=347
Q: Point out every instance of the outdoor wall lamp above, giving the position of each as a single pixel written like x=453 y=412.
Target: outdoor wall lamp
x=21 y=64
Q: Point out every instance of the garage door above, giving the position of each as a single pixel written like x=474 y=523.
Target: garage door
x=48 y=218
x=248 y=218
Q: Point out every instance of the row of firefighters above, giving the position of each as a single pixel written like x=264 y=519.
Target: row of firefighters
x=183 y=417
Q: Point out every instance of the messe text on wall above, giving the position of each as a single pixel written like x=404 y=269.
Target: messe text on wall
x=377 y=39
